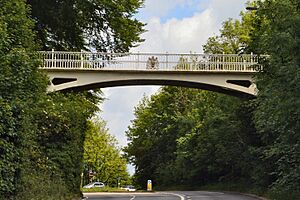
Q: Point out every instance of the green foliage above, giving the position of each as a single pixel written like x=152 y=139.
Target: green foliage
x=62 y=133
x=41 y=136
x=16 y=27
x=153 y=134
x=21 y=85
x=104 y=189
x=53 y=151
x=277 y=115
x=102 y=156
x=81 y=24
x=42 y=184
x=188 y=137
x=8 y=166
x=234 y=38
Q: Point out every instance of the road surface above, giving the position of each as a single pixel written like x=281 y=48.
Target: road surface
x=188 y=195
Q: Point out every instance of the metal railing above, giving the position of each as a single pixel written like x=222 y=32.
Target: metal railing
x=149 y=61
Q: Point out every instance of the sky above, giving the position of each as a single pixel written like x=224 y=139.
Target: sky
x=173 y=26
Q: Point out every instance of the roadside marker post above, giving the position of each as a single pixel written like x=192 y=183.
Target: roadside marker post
x=149 y=185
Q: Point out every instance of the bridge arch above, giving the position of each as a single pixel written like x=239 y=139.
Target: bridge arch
x=232 y=84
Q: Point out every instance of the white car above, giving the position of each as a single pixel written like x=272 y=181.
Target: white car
x=129 y=188
x=94 y=185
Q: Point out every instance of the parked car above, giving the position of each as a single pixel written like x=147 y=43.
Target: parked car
x=129 y=188
x=94 y=185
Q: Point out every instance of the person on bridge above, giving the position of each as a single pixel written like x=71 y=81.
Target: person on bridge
x=152 y=63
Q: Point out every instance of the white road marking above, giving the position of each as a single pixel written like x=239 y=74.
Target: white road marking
x=205 y=196
x=133 y=197
x=178 y=195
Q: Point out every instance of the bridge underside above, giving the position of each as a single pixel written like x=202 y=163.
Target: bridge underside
x=236 y=84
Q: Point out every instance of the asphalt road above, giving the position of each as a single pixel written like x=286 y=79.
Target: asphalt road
x=188 y=195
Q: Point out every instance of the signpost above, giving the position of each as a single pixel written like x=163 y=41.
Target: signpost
x=149 y=185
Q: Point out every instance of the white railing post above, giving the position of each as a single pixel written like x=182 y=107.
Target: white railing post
x=138 y=62
x=244 y=63
x=167 y=61
x=81 y=59
x=223 y=61
x=53 y=58
x=251 y=60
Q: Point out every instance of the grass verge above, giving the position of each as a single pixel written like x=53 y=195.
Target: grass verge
x=104 y=189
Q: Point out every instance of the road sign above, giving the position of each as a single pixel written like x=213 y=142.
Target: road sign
x=149 y=185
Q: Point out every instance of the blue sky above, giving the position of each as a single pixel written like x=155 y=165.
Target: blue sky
x=175 y=26
x=171 y=9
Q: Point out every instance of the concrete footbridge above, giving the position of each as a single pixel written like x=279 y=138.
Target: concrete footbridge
x=231 y=74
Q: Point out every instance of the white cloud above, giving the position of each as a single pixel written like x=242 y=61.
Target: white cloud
x=175 y=34
x=179 y=36
x=189 y=33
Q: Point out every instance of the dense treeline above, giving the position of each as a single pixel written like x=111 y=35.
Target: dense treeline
x=277 y=116
x=42 y=135
x=194 y=138
x=191 y=137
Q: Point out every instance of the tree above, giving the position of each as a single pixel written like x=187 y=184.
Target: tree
x=238 y=36
x=153 y=133
x=21 y=86
x=106 y=26
x=277 y=114
x=275 y=32
x=186 y=136
x=234 y=38
x=102 y=157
